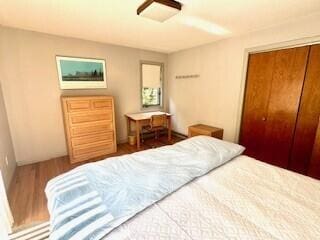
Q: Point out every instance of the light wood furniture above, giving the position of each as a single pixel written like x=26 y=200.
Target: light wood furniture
x=282 y=107
x=89 y=126
x=157 y=123
x=142 y=119
x=201 y=129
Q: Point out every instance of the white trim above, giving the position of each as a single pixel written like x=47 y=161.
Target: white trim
x=264 y=48
x=6 y=218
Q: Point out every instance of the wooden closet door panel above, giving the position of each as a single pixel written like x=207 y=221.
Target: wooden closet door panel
x=314 y=166
x=287 y=82
x=308 y=116
x=258 y=86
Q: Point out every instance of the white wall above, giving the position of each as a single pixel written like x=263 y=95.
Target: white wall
x=32 y=94
x=6 y=147
x=215 y=98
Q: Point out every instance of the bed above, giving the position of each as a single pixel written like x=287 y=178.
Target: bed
x=239 y=198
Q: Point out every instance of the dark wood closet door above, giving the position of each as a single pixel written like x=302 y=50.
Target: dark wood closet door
x=314 y=166
x=287 y=83
x=308 y=117
x=278 y=94
x=258 y=86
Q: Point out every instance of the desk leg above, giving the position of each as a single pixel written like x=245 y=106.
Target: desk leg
x=138 y=134
x=128 y=126
x=169 y=130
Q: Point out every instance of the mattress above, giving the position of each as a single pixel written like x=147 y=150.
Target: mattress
x=243 y=199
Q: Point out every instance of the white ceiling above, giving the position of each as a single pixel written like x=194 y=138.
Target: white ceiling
x=116 y=22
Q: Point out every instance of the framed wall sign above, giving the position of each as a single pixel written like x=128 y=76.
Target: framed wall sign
x=81 y=73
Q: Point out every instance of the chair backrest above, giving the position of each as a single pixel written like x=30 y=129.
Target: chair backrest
x=159 y=120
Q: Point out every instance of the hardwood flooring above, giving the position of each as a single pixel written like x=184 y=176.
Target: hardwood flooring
x=26 y=193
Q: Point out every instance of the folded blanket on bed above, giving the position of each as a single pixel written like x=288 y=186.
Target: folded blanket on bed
x=91 y=200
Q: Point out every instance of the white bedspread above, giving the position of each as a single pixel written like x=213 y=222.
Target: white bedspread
x=243 y=199
x=91 y=200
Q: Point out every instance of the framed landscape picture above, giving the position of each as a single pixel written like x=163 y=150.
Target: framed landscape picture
x=81 y=73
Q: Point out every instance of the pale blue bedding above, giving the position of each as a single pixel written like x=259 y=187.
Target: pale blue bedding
x=91 y=200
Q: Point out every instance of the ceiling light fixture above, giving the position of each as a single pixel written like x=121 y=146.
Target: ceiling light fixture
x=159 y=10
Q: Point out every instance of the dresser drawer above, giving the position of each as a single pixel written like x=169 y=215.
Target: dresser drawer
x=199 y=132
x=78 y=105
x=99 y=104
x=91 y=155
x=90 y=129
x=90 y=117
x=106 y=137
x=90 y=148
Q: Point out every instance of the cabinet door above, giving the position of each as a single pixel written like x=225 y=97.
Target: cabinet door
x=258 y=86
x=274 y=86
x=308 y=116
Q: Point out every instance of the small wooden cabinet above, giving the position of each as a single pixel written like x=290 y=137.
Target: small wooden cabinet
x=89 y=126
x=201 y=129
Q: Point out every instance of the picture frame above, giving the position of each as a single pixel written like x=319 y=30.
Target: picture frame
x=81 y=73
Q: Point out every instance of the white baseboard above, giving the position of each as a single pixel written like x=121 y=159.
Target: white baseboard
x=20 y=163
x=120 y=141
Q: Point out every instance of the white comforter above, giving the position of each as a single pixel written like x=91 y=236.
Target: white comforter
x=243 y=199
x=91 y=200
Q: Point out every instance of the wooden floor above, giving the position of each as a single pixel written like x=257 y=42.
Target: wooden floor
x=26 y=193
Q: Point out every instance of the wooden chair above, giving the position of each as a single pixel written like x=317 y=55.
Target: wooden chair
x=157 y=123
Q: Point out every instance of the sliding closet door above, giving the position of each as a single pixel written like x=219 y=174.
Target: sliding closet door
x=287 y=83
x=258 y=86
x=314 y=166
x=276 y=86
x=308 y=118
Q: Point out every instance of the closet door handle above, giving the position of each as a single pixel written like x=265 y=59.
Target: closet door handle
x=264 y=119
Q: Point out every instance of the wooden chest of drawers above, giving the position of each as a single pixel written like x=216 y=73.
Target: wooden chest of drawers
x=201 y=129
x=89 y=126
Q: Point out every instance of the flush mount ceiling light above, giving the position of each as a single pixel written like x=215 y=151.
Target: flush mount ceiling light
x=159 y=10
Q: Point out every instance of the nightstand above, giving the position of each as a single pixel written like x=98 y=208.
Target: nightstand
x=201 y=129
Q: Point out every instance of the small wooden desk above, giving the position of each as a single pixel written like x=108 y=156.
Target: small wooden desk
x=143 y=118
